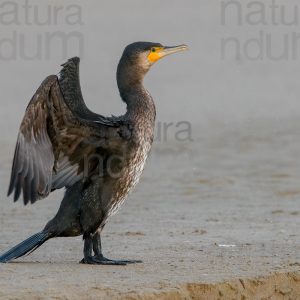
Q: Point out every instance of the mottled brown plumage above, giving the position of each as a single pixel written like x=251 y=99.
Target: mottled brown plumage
x=62 y=144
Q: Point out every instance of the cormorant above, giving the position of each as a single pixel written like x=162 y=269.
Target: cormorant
x=98 y=159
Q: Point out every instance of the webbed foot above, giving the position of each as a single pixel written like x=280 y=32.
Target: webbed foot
x=96 y=260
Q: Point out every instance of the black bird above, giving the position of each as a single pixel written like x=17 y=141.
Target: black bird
x=98 y=159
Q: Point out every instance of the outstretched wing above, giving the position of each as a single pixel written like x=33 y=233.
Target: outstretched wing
x=34 y=159
x=69 y=83
x=54 y=137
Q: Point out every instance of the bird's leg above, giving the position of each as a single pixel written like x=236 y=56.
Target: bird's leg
x=103 y=260
x=87 y=251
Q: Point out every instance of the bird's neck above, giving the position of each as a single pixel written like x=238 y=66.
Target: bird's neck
x=140 y=105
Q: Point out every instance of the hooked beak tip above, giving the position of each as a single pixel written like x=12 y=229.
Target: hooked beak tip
x=174 y=49
x=178 y=48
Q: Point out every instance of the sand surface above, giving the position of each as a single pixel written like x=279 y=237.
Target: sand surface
x=223 y=208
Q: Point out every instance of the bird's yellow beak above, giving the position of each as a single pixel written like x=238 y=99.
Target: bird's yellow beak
x=157 y=53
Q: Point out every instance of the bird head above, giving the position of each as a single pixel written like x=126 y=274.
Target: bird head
x=137 y=59
x=142 y=55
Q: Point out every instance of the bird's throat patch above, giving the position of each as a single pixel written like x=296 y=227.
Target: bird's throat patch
x=155 y=54
x=153 y=57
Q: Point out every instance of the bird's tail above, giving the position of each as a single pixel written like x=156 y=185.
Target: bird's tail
x=27 y=246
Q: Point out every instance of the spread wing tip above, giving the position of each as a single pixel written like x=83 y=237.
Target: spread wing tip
x=74 y=60
x=69 y=68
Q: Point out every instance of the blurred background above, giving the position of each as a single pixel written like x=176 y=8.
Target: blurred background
x=226 y=169
x=213 y=85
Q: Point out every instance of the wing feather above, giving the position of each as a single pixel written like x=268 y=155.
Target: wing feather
x=55 y=136
x=34 y=159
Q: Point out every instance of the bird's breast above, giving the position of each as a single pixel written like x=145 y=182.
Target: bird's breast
x=134 y=163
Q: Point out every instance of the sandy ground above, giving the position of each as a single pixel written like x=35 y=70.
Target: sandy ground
x=219 y=217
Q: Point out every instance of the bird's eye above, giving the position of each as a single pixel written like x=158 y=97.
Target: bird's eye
x=153 y=49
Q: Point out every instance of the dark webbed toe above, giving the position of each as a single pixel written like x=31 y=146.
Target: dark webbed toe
x=96 y=260
x=113 y=261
